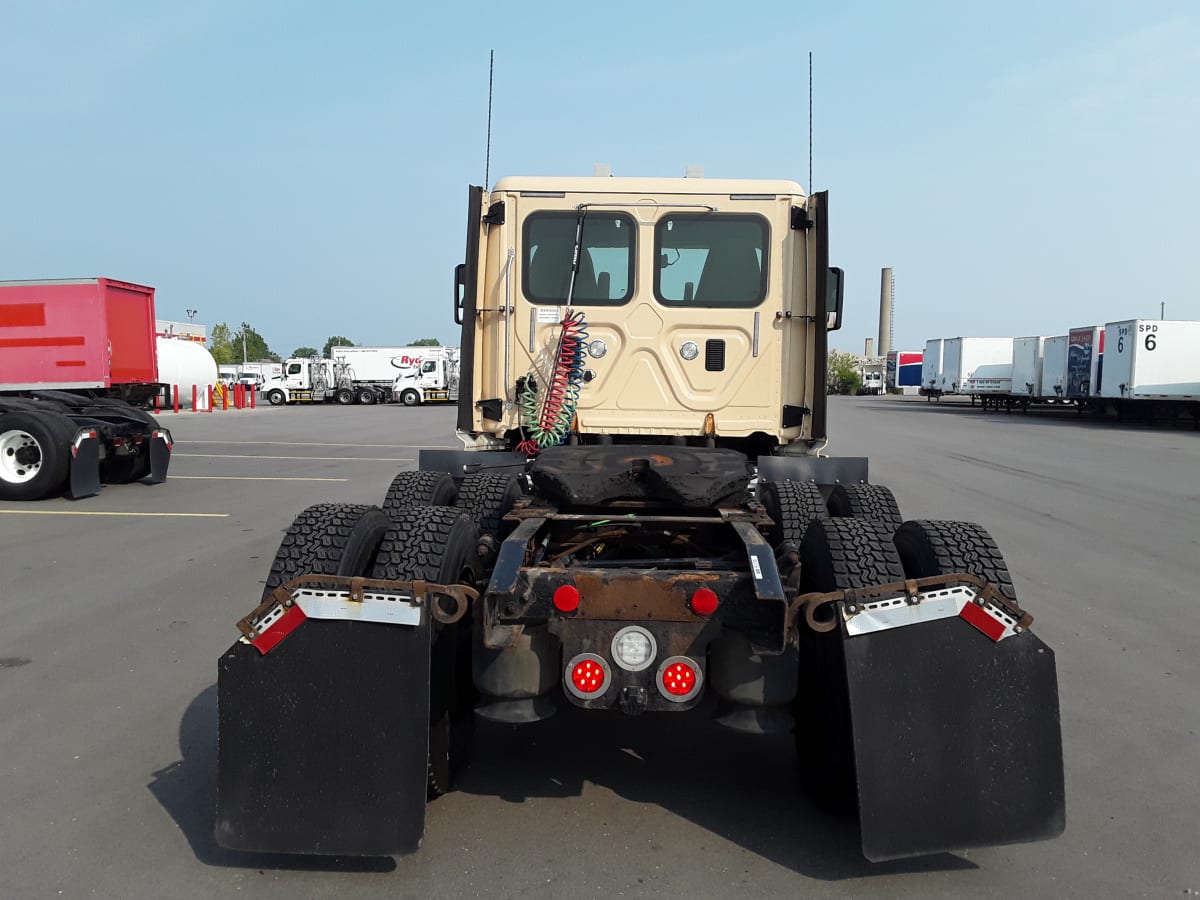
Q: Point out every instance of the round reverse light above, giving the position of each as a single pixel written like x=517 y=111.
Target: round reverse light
x=689 y=350
x=597 y=349
x=587 y=676
x=679 y=679
x=634 y=648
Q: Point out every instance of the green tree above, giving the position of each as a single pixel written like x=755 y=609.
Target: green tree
x=302 y=352
x=425 y=342
x=336 y=341
x=220 y=345
x=252 y=346
x=842 y=374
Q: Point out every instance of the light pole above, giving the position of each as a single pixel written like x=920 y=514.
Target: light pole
x=192 y=314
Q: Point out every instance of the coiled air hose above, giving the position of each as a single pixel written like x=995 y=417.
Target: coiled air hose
x=547 y=412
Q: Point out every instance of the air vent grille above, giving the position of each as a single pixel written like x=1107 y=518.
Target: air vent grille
x=714 y=355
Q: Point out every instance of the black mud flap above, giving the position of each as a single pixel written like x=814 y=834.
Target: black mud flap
x=323 y=742
x=84 y=478
x=957 y=740
x=160 y=456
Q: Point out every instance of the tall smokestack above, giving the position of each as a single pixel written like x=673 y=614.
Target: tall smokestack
x=885 y=312
x=870 y=347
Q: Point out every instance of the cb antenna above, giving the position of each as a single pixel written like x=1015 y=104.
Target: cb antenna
x=811 y=188
x=487 y=165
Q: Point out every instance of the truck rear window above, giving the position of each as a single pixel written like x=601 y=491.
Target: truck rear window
x=710 y=259
x=605 y=275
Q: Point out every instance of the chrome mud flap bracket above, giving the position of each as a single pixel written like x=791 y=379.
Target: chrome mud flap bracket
x=323 y=718
x=955 y=718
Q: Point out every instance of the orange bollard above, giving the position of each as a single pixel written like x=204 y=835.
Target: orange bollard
x=224 y=400
x=157 y=397
x=210 y=403
x=195 y=408
x=176 y=398
x=253 y=392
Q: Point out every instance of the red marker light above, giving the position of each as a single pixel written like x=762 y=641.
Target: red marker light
x=704 y=602
x=679 y=679
x=566 y=598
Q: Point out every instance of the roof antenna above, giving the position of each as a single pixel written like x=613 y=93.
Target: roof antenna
x=811 y=188
x=487 y=165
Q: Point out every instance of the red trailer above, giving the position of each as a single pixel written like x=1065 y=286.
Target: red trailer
x=77 y=361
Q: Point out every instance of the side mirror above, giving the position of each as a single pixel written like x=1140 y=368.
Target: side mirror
x=460 y=291
x=833 y=298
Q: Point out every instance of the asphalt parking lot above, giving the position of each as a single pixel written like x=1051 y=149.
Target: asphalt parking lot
x=115 y=610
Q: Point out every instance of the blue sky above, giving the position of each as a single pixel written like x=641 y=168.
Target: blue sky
x=1025 y=167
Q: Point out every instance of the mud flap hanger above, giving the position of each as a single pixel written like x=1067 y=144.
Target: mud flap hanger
x=350 y=599
x=912 y=602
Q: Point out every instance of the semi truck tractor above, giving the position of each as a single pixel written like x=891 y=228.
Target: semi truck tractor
x=318 y=380
x=642 y=518
x=77 y=364
x=431 y=375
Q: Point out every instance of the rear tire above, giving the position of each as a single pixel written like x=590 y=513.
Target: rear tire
x=943 y=548
x=437 y=544
x=344 y=396
x=410 y=489
x=328 y=539
x=35 y=456
x=488 y=497
x=792 y=505
x=865 y=501
x=366 y=397
x=836 y=554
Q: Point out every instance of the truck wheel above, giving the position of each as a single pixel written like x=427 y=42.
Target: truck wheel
x=488 y=497
x=410 y=489
x=791 y=506
x=366 y=397
x=328 y=539
x=276 y=397
x=942 y=548
x=34 y=454
x=344 y=396
x=835 y=554
x=437 y=544
x=865 y=501
x=410 y=397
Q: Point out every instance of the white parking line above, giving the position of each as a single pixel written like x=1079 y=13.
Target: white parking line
x=246 y=478
x=313 y=458
x=94 y=512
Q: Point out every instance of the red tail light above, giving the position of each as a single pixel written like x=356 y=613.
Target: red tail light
x=566 y=598
x=679 y=679
x=704 y=602
x=587 y=676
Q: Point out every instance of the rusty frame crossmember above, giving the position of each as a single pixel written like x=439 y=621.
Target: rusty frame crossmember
x=356 y=590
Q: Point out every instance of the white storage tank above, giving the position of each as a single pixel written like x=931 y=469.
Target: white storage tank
x=1152 y=359
x=186 y=363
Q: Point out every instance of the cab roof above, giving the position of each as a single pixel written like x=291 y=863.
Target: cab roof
x=649 y=186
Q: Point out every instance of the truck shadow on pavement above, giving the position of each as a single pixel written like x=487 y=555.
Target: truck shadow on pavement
x=744 y=788
x=187 y=790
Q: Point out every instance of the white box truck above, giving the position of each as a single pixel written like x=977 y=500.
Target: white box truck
x=931 y=368
x=961 y=356
x=1053 y=381
x=1027 y=367
x=379 y=365
x=1152 y=360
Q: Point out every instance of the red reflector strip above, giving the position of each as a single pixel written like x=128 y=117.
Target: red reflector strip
x=291 y=619
x=983 y=620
